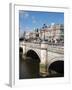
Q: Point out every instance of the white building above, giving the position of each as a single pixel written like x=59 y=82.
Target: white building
x=53 y=32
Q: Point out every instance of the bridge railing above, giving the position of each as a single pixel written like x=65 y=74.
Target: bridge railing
x=52 y=48
x=56 y=49
x=32 y=45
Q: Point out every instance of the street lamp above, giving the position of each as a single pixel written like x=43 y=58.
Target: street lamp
x=44 y=26
x=24 y=35
x=44 y=34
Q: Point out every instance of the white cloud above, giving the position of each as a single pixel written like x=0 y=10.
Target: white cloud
x=24 y=14
x=27 y=29
x=33 y=20
x=52 y=23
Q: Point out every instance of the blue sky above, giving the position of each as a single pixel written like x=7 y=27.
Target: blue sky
x=28 y=20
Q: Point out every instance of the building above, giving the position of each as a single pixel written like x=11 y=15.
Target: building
x=52 y=33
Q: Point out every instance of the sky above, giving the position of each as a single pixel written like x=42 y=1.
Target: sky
x=29 y=20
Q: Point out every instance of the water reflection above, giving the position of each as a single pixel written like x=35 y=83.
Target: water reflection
x=29 y=68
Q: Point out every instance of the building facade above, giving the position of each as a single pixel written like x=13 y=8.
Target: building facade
x=53 y=34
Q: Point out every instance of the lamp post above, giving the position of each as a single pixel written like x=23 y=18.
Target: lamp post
x=44 y=26
x=44 y=34
x=24 y=35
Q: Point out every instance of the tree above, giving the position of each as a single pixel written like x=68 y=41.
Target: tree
x=44 y=26
x=37 y=29
x=37 y=34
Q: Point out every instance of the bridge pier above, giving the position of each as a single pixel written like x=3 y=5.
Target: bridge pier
x=44 y=60
x=24 y=49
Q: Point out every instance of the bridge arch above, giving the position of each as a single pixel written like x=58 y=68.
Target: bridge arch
x=33 y=63
x=35 y=50
x=61 y=58
x=20 y=49
x=33 y=55
x=57 y=66
x=30 y=66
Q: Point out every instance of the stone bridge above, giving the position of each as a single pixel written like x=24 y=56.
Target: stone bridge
x=47 y=54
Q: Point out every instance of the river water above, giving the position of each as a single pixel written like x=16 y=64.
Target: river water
x=29 y=68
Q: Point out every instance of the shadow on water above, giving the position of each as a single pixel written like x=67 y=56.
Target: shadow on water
x=29 y=68
x=56 y=69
